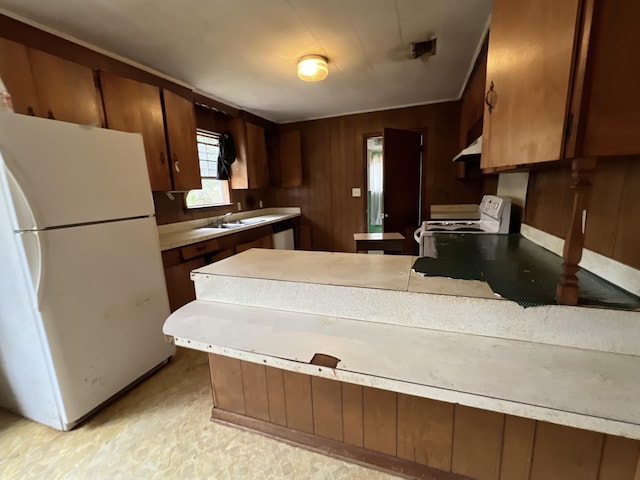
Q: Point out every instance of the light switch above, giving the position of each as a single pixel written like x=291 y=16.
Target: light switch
x=355 y=192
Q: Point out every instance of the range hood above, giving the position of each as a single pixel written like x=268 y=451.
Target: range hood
x=472 y=152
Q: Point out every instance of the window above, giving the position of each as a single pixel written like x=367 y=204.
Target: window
x=214 y=191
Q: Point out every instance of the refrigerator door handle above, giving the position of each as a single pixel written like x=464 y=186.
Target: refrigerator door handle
x=34 y=252
x=25 y=217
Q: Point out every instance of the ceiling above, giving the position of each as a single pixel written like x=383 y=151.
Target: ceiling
x=244 y=52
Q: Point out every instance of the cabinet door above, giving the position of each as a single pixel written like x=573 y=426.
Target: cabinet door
x=135 y=107
x=257 y=157
x=613 y=113
x=179 y=285
x=250 y=170
x=262 y=242
x=180 y=120
x=15 y=71
x=290 y=159
x=66 y=90
x=531 y=48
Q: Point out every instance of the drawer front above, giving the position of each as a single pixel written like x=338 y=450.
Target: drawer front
x=199 y=249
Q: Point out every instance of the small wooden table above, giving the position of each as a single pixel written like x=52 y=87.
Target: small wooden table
x=390 y=242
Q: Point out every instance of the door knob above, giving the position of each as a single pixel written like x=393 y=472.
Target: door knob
x=385 y=215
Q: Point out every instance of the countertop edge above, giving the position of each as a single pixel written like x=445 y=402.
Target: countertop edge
x=181 y=242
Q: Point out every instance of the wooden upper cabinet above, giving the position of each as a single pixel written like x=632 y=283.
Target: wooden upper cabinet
x=17 y=77
x=251 y=169
x=531 y=46
x=290 y=156
x=66 y=90
x=561 y=81
x=180 y=121
x=611 y=94
x=48 y=86
x=135 y=107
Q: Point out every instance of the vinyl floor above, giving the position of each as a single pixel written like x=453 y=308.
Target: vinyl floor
x=160 y=429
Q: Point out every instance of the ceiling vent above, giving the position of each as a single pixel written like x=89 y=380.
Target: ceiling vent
x=421 y=49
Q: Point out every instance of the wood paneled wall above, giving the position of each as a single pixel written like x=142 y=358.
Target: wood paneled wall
x=613 y=221
x=451 y=441
x=333 y=162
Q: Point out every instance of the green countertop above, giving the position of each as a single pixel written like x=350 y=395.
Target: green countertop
x=516 y=269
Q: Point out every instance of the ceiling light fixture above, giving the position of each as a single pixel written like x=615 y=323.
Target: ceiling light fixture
x=313 y=68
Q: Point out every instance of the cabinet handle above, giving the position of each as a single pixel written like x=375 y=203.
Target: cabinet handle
x=162 y=159
x=30 y=111
x=201 y=247
x=176 y=164
x=491 y=98
x=50 y=115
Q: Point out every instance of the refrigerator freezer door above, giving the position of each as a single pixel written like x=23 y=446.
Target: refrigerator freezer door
x=103 y=301
x=66 y=174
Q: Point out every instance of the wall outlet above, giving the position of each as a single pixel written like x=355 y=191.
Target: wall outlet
x=355 y=192
x=260 y=203
x=239 y=206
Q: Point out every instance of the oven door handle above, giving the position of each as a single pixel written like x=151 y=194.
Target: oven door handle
x=417 y=235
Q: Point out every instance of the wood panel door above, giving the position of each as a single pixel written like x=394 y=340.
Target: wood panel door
x=180 y=120
x=290 y=154
x=135 y=107
x=529 y=74
x=257 y=157
x=17 y=77
x=251 y=169
x=179 y=285
x=402 y=156
x=66 y=90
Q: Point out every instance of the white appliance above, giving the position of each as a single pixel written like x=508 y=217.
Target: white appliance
x=82 y=292
x=283 y=240
x=495 y=217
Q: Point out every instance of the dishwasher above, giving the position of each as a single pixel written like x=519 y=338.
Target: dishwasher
x=283 y=237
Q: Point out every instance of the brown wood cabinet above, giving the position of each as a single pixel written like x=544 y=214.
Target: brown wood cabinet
x=48 y=86
x=560 y=81
x=137 y=107
x=262 y=242
x=179 y=262
x=290 y=158
x=251 y=169
x=180 y=120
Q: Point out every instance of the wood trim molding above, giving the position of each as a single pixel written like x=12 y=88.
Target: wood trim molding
x=333 y=448
x=582 y=175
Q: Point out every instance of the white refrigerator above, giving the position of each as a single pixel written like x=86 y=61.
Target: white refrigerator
x=82 y=291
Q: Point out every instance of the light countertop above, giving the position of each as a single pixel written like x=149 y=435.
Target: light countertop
x=573 y=366
x=176 y=235
x=384 y=289
x=570 y=386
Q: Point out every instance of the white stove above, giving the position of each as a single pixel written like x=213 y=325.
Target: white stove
x=495 y=215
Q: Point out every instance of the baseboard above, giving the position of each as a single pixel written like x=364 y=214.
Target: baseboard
x=334 y=448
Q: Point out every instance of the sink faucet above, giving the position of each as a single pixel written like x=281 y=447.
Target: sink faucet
x=220 y=220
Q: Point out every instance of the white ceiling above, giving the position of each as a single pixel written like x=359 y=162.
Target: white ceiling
x=244 y=52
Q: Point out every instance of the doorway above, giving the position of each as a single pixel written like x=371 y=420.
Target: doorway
x=374 y=183
x=394 y=180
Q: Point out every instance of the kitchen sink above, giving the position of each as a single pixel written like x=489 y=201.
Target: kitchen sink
x=235 y=223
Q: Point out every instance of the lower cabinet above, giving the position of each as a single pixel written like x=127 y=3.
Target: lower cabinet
x=179 y=285
x=179 y=262
x=262 y=242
